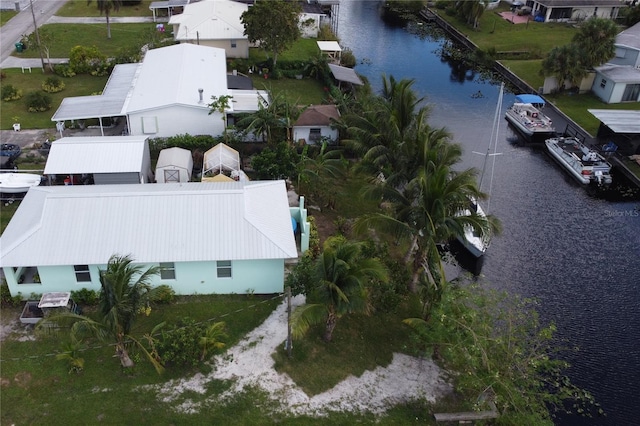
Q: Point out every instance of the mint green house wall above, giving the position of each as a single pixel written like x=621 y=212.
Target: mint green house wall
x=300 y=215
x=254 y=276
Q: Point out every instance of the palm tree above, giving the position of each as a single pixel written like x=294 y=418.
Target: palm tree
x=319 y=171
x=341 y=274
x=596 y=39
x=125 y=293
x=211 y=340
x=106 y=6
x=565 y=63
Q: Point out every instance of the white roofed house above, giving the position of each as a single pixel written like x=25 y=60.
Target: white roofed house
x=619 y=79
x=214 y=23
x=100 y=160
x=222 y=237
x=167 y=94
x=574 y=10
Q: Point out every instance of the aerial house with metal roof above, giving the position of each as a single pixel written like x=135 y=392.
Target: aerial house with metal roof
x=222 y=237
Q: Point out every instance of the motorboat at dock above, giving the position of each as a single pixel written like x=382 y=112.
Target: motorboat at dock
x=527 y=117
x=584 y=164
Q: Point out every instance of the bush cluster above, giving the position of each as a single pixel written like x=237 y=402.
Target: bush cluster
x=86 y=297
x=164 y=295
x=10 y=93
x=38 y=101
x=5 y=295
x=53 y=85
x=180 y=346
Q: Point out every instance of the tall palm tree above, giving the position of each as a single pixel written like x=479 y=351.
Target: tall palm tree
x=106 y=6
x=341 y=274
x=319 y=171
x=125 y=292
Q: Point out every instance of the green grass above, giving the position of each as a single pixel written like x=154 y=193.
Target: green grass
x=577 y=106
x=360 y=343
x=79 y=8
x=301 y=92
x=495 y=32
x=67 y=36
x=527 y=70
x=75 y=86
x=5 y=15
x=301 y=50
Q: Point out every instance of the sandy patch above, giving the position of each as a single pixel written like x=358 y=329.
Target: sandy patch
x=250 y=364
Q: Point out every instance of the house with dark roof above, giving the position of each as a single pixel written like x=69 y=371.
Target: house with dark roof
x=574 y=10
x=619 y=79
x=316 y=123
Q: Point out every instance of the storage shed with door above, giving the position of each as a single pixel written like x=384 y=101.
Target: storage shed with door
x=174 y=165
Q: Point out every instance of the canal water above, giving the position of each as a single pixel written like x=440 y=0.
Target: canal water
x=577 y=254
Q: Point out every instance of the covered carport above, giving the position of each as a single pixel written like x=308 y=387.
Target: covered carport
x=110 y=104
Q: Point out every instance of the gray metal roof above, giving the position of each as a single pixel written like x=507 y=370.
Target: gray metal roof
x=620 y=73
x=110 y=104
x=96 y=154
x=171 y=222
x=345 y=74
x=630 y=37
x=620 y=121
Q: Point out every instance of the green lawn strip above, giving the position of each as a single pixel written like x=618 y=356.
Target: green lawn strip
x=80 y=8
x=79 y=85
x=301 y=50
x=527 y=70
x=103 y=391
x=306 y=91
x=495 y=32
x=5 y=15
x=360 y=343
x=67 y=36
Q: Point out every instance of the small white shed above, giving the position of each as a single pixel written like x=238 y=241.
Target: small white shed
x=174 y=165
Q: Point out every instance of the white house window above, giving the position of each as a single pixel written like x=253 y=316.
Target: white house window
x=234 y=44
x=224 y=268
x=82 y=273
x=167 y=270
x=603 y=83
x=621 y=53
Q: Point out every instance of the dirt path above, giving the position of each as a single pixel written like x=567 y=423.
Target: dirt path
x=250 y=364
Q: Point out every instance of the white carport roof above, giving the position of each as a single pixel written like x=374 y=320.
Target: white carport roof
x=110 y=104
x=345 y=74
x=620 y=121
x=96 y=154
x=329 y=46
x=173 y=222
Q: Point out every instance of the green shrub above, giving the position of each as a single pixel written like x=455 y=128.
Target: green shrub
x=314 y=237
x=5 y=295
x=300 y=279
x=348 y=59
x=87 y=60
x=53 y=85
x=38 y=101
x=10 y=93
x=164 y=295
x=63 y=70
x=180 y=346
x=84 y=296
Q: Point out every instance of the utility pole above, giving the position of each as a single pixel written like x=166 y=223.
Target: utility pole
x=35 y=26
x=289 y=343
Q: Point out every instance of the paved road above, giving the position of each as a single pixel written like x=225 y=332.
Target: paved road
x=22 y=23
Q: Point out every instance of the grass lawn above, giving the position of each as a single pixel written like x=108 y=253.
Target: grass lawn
x=79 y=8
x=527 y=70
x=357 y=346
x=301 y=50
x=5 y=15
x=75 y=86
x=300 y=92
x=67 y=36
x=496 y=32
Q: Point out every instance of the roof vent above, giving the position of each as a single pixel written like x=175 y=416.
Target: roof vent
x=200 y=94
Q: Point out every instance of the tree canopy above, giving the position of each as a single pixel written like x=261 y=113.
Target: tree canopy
x=272 y=24
x=106 y=6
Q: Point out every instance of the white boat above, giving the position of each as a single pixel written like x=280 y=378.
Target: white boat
x=473 y=242
x=527 y=117
x=15 y=183
x=583 y=163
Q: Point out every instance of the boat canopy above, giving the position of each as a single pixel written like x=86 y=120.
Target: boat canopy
x=530 y=99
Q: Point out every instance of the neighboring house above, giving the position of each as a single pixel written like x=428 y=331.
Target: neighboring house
x=574 y=10
x=100 y=160
x=231 y=237
x=166 y=94
x=214 y=23
x=316 y=123
x=174 y=165
x=312 y=17
x=619 y=79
